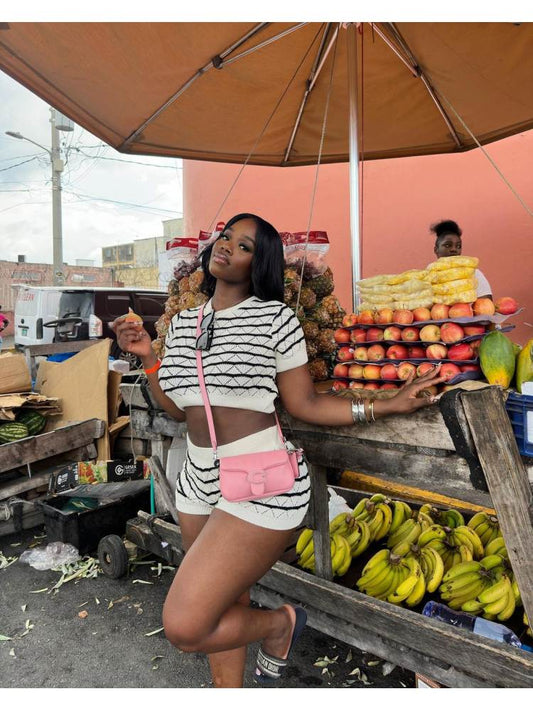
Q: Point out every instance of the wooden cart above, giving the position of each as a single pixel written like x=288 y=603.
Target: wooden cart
x=464 y=448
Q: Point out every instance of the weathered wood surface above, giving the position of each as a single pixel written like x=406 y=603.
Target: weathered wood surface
x=33 y=449
x=22 y=484
x=46 y=349
x=452 y=656
x=318 y=519
x=23 y=516
x=507 y=480
x=163 y=487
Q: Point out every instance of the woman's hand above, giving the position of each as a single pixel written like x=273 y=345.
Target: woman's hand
x=409 y=397
x=131 y=338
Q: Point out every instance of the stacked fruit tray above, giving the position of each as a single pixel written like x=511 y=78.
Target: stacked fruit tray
x=381 y=349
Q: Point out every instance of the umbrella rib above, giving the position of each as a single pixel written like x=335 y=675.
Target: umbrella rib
x=317 y=68
x=216 y=62
x=416 y=70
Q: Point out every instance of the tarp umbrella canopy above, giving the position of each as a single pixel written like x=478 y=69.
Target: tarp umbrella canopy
x=258 y=92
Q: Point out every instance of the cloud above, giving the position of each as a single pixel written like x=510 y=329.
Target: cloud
x=107 y=198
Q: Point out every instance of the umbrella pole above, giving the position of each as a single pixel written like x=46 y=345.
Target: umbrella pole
x=354 y=159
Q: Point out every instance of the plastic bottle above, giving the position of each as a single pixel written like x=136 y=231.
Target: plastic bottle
x=478 y=625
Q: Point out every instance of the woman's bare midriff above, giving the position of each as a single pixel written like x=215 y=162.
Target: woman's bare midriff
x=231 y=424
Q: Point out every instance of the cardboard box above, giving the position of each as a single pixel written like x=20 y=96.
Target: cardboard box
x=72 y=475
x=14 y=373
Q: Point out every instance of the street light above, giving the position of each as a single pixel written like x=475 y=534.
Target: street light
x=57 y=169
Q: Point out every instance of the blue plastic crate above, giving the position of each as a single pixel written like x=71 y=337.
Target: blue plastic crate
x=518 y=407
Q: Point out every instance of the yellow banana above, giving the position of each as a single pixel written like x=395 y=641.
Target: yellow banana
x=381 y=584
x=383 y=554
x=497 y=545
x=398 y=516
x=490 y=562
x=451 y=518
x=495 y=591
x=337 y=553
x=374 y=576
x=344 y=566
x=508 y=611
x=460 y=582
x=417 y=593
x=500 y=604
x=467 y=592
x=307 y=552
x=360 y=509
x=379 y=498
x=435 y=532
x=516 y=593
x=474 y=607
x=424 y=520
x=402 y=548
x=303 y=539
x=477 y=518
x=435 y=568
x=354 y=536
x=466 y=535
x=461 y=569
x=364 y=541
x=387 y=520
x=406 y=587
x=465 y=553
x=375 y=523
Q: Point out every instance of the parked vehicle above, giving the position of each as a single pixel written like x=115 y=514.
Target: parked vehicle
x=33 y=307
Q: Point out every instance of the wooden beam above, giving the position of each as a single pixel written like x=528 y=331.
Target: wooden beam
x=318 y=517
x=49 y=444
x=507 y=480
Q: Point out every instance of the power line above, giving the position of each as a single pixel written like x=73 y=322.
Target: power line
x=82 y=196
x=17 y=164
x=134 y=162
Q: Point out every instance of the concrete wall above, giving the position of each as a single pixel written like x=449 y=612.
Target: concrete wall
x=401 y=198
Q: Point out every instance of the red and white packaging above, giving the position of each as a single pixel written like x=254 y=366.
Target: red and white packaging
x=178 y=260
x=307 y=252
x=207 y=238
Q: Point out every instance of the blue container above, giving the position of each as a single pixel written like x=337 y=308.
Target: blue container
x=518 y=407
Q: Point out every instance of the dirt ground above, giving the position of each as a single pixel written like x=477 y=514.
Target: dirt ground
x=104 y=633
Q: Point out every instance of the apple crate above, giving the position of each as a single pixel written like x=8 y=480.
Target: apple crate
x=520 y=411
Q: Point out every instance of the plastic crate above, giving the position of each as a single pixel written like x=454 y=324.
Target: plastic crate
x=84 y=529
x=520 y=411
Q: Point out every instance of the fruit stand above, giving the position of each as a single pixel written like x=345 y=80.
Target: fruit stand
x=415 y=450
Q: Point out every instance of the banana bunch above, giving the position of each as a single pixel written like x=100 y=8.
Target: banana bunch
x=412 y=588
x=406 y=534
x=486 y=527
x=496 y=602
x=497 y=545
x=341 y=555
x=431 y=563
x=390 y=577
x=451 y=518
x=377 y=513
x=401 y=511
x=454 y=545
x=464 y=582
x=356 y=532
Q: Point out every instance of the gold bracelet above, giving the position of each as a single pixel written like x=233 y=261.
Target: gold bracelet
x=372 y=411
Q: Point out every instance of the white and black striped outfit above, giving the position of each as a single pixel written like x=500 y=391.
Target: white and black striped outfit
x=252 y=342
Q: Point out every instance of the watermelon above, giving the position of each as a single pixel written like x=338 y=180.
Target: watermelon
x=33 y=420
x=12 y=431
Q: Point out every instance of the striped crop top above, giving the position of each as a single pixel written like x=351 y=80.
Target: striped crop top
x=252 y=342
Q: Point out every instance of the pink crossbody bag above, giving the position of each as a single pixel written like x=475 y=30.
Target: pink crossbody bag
x=245 y=477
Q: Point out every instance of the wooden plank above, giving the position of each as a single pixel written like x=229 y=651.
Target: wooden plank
x=163 y=487
x=507 y=481
x=318 y=518
x=59 y=347
x=22 y=484
x=394 y=489
x=49 y=444
x=494 y=663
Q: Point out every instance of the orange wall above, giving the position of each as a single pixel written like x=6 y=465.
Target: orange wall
x=401 y=197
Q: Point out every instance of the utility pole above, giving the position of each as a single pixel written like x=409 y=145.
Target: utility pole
x=57 y=224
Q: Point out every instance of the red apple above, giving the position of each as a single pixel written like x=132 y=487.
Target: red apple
x=360 y=353
x=376 y=352
x=371 y=372
x=392 y=333
x=449 y=370
x=349 y=320
x=439 y=312
x=423 y=368
x=430 y=333
x=370 y=386
x=388 y=372
x=355 y=371
x=396 y=352
x=406 y=369
x=436 y=351
x=506 y=305
x=339 y=385
x=483 y=306
x=416 y=352
x=374 y=334
x=461 y=351
x=451 y=332
x=474 y=330
x=421 y=314
x=340 y=371
x=345 y=353
x=358 y=335
x=355 y=385
x=384 y=316
x=342 y=335
x=411 y=333
x=460 y=310
x=389 y=386
x=365 y=317
x=403 y=316
x=470 y=367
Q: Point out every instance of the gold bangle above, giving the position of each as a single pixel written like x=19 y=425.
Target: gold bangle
x=372 y=411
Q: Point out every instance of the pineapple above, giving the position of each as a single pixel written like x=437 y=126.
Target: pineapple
x=291 y=278
x=200 y=299
x=312 y=349
x=195 y=281
x=173 y=287
x=321 y=316
x=322 y=285
x=318 y=369
x=326 y=341
x=186 y=300
x=310 y=329
x=183 y=285
x=307 y=298
x=335 y=310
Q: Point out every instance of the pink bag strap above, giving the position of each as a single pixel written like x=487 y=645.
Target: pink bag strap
x=205 y=396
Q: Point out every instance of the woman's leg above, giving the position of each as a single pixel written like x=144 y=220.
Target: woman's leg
x=201 y=612
x=227 y=668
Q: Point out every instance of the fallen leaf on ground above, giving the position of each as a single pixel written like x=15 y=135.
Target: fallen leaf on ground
x=149 y=634
x=12 y=652
x=3 y=638
x=349 y=656
x=38 y=591
x=144 y=582
x=83 y=614
x=23 y=608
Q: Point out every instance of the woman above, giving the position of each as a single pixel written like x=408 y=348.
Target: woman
x=448 y=244
x=253 y=351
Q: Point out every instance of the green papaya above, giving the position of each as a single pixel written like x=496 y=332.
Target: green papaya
x=497 y=358
x=524 y=365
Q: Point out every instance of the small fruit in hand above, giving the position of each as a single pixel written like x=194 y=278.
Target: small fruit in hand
x=133 y=319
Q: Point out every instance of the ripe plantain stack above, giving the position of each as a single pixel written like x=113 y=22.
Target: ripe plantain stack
x=320 y=313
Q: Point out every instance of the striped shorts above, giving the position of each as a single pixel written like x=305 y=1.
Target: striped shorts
x=198 y=490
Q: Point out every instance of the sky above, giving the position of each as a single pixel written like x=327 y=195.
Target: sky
x=107 y=197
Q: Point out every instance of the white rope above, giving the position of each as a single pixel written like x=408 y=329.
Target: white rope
x=489 y=158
